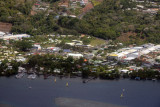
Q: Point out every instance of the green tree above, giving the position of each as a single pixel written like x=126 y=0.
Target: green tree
x=23 y=45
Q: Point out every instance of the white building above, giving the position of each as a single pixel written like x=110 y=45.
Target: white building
x=37 y=46
x=2 y=33
x=74 y=55
x=14 y=37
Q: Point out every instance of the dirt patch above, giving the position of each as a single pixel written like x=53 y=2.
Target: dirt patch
x=125 y=37
x=5 y=27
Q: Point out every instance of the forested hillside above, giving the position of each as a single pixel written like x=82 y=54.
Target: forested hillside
x=17 y=12
x=112 y=18
x=109 y=20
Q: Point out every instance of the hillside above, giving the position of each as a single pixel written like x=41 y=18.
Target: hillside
x=110 y=19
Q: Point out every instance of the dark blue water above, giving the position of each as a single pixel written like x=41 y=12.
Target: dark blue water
x=43 y=92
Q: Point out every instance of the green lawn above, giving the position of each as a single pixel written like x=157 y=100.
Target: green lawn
x=95 y=2
x=96 y=41
x=49 y=45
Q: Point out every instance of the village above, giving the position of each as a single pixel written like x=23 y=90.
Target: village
x=87 y=56
x=104 y=59
x=77 y=8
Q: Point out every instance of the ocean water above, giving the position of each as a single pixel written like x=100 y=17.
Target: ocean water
x=42 y=93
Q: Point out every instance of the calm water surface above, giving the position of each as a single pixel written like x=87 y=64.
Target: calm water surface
x=16 y=92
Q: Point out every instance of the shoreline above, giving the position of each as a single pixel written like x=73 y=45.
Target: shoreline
x=84 y=80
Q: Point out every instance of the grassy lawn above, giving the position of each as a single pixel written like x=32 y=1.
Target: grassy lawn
x=95 y=2
x=96 y=41
x=49 y=45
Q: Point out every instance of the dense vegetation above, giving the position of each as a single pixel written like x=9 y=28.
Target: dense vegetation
x=51 y=1
x=109 y=20
x=6 y=70
x=112 y=18
x=19 y=15
x=23 y=45
x=49 y=64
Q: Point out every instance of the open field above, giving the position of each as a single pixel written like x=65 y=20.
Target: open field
x=96 y=41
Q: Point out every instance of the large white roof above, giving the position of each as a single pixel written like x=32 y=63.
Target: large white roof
x=137 y=47
x=72 y=54
x=121 y=54
x=124 y=70
x=14 y=36
x=2 y=33
x=130 y=58
x=145 y=52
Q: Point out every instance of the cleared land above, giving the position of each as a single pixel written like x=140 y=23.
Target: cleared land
x=96 y=42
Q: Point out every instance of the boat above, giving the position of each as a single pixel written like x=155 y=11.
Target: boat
x=123 y=89
x=30 y=87
x=20 y=75
x=55 y=80
x=32 y=76
x=121 y=95
x=67 y=84
x=154 y=79
x=137 y=78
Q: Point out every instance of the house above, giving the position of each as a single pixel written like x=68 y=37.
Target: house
x=76 y=41
x=57 y=70
x=72 y=16
x=20 y=59
x=56 y=49
x=140 y=6
x=124 y=71
x=71 y=44
x=64 y=4
x=83 y=2
x=113 y=56
x=89 y=55
x=2 y=33
x=63 y=36
x=67 y=51
x=75 y=55
x=37 y=46
x=21 y=69
x=70 y=35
